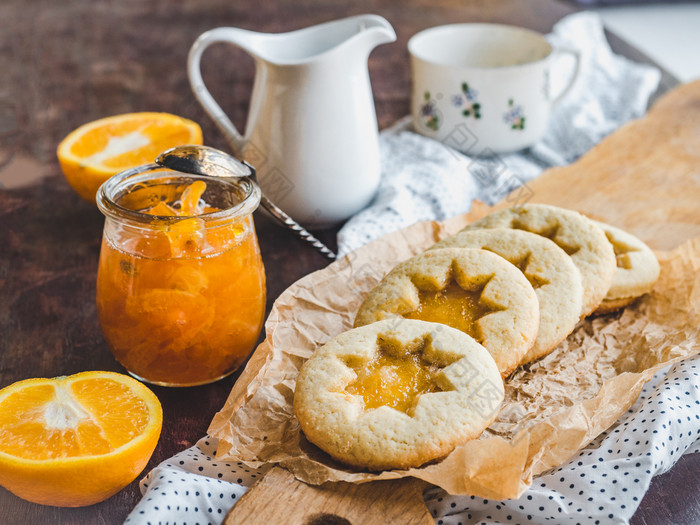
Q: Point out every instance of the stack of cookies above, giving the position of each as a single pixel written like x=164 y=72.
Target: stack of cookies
x=422 y=371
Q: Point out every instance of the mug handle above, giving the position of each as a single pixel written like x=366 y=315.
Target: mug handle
x=229 y=35
x=574 y=75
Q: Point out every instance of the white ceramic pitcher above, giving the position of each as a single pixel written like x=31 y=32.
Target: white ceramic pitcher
x=312 y=128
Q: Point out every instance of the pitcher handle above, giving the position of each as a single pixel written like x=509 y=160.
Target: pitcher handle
x=227 y=35
x=574 y=75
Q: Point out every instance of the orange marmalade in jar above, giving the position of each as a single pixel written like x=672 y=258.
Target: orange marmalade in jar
x=180 y=284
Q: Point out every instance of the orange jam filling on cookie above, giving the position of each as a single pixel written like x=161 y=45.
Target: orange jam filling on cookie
x=453 y=306
x=394 y=381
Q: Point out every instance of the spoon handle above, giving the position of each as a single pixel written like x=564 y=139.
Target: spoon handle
x=293 y=225
x=204 y=160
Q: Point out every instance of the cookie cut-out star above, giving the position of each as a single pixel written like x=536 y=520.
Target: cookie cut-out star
x=622 y=252
x=456 y=307
x=551 y=233
x=396 y=376
x=537 y=281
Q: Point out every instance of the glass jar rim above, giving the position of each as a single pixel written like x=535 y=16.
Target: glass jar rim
x=108 y=205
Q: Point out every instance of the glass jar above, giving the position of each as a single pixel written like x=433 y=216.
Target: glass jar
x=181 y=299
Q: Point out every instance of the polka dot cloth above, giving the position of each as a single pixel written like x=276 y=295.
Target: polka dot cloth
x=604 y=483
x=192 y=487
x=422 y=179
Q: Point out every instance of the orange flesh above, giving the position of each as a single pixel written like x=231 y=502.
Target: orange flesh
x=155 y=129
x=59 y=421
x=453 y=306
x=184 y=305
x=393 y=381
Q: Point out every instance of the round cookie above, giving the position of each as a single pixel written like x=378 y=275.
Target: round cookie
x=475 y=291
x=637 y=269
x=551 y=272
x=587 y=245
x=350 y=396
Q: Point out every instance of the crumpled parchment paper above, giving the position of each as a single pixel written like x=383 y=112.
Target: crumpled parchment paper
x=553 y=407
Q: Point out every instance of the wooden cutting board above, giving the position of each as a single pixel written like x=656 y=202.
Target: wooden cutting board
x=644 y=178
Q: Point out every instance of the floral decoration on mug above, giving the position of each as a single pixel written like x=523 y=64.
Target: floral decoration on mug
x=514 y=116
x=430 y=114
x=467 y=100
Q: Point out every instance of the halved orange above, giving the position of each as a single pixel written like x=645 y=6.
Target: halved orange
x=76 y=440
x=95 y=151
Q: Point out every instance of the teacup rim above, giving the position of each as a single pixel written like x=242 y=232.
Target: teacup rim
x=411 y=46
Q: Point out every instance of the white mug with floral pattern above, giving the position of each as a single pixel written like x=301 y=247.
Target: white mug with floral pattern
x=483 y=88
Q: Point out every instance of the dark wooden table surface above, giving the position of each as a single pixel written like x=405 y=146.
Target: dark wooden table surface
x=68 y=62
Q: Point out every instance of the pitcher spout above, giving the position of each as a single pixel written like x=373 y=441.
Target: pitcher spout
x=358 y=34
x=373 y=30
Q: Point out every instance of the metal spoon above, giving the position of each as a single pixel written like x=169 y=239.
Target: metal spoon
x=203 y=160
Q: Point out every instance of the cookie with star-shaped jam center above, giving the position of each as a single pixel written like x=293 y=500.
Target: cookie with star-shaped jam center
x=551 y=272
x=397 y=393
x=475 y=291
